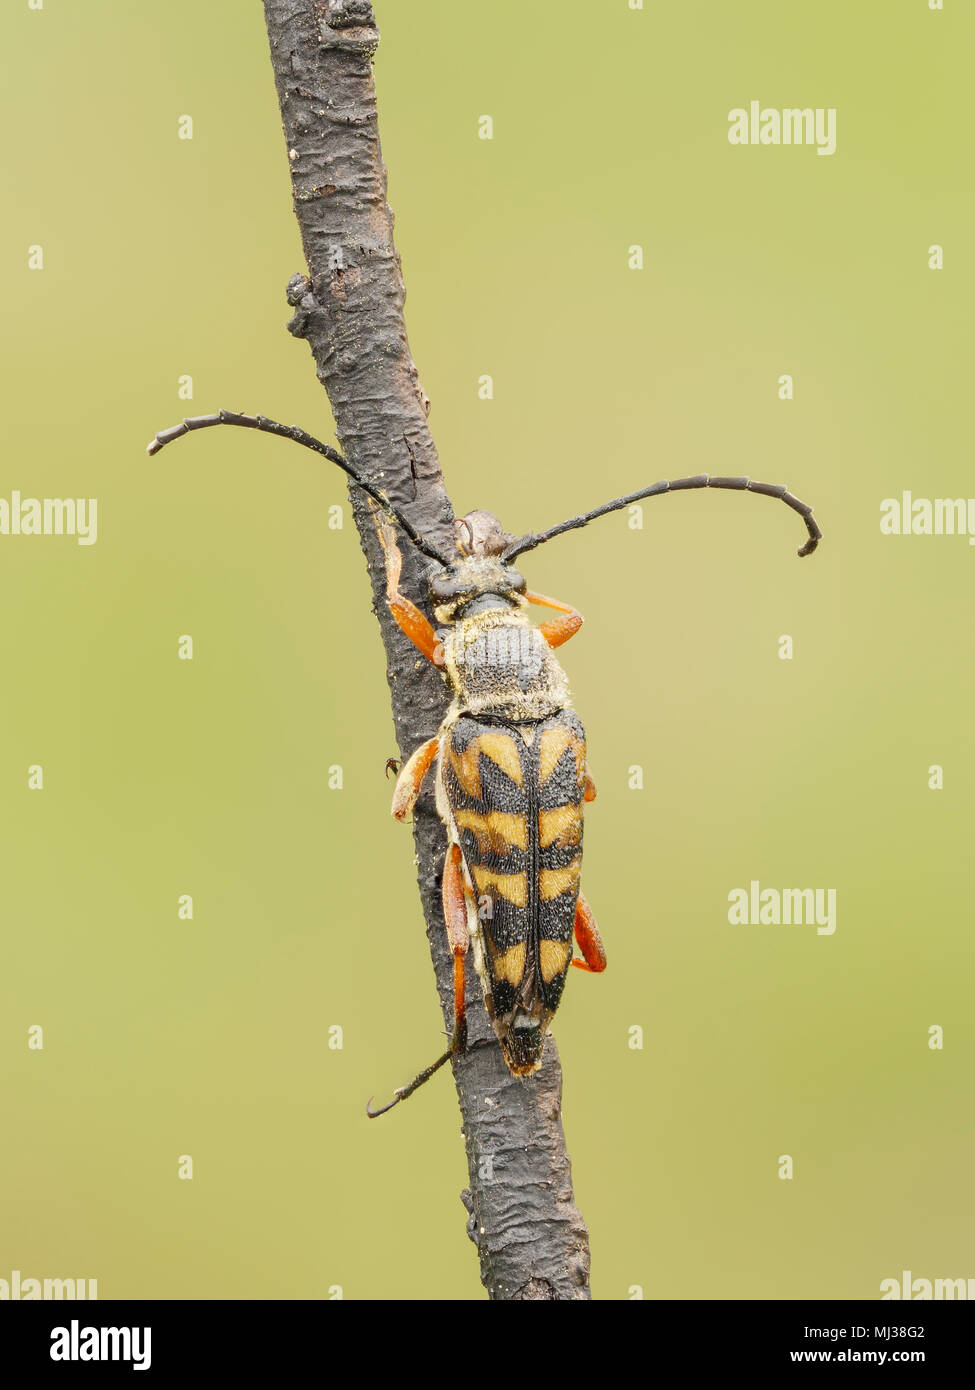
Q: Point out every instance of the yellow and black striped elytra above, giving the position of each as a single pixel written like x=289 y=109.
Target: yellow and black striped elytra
x=509 y=758
x=515 y=795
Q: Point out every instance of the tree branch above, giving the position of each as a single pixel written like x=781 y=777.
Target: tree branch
x=530 y=1236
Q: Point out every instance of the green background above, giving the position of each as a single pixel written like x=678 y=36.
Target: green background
x=210 y=1037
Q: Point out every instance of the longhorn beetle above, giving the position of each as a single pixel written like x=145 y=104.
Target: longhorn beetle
x=510 y=755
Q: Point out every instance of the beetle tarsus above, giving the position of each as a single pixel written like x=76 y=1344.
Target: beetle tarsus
x=403 y=1092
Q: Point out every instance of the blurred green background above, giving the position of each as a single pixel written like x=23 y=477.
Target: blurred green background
x=209 y=1037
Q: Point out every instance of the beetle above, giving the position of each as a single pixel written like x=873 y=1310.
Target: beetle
x=509 y=759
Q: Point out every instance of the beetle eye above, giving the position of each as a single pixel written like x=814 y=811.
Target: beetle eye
x=516 y=579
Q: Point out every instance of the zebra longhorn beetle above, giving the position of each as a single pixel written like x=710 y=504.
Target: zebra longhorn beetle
x=510 y=755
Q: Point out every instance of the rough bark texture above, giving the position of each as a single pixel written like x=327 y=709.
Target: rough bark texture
x=530 y=1236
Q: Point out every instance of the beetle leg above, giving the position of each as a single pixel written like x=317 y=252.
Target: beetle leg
x=589 y=793
x=590 y=942
x=411 y=776
x=556 y=630
x=402 y=1092
x=409 y=619
x=455 y=919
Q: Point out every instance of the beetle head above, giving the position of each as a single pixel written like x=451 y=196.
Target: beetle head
x=481 y=540
x=481 y=535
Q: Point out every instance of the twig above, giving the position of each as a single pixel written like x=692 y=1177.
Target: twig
x=530 y=1236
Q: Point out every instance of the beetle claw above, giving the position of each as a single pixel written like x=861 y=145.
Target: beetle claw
x=382 y=1109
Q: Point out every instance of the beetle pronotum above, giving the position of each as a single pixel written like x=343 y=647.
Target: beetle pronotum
x=509 y=759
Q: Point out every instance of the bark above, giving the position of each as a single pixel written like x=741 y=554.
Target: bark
x=530 y=1236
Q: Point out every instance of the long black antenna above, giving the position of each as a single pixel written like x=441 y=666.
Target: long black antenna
x=783 y=494
x=260 y=422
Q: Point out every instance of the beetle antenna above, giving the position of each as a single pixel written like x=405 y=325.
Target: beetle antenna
x=260 y=422
x=783 y=494
x=403 y=1092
